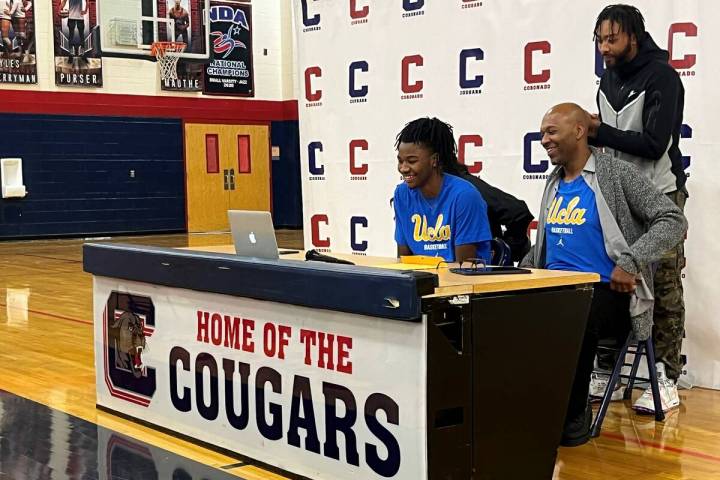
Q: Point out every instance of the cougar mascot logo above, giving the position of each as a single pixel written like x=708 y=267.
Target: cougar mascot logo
x=129 y=343
x=129 y=320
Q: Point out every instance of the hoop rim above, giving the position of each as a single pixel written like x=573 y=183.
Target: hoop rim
x=158 y=49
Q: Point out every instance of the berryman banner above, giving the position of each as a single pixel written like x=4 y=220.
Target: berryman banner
x=491 y=70
x=230 y=70
x=295 y=387
x=18 y=63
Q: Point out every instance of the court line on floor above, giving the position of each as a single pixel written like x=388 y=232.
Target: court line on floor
x=54 y=315
x=659 y=446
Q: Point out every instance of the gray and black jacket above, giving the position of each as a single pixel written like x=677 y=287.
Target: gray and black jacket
x=638 y=223
x=641 y=107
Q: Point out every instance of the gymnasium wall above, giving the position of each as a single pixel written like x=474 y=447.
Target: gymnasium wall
x=491 y=69
x=272 y=58
x=76 y=142
x=95 y=175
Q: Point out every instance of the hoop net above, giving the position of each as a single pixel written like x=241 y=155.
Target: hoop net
x=167 y=57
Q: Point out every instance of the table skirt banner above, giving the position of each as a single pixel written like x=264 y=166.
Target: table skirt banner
x=322 y=394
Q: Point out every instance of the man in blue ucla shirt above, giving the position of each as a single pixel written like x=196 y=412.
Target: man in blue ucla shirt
x=437 y=214
x=599 y=214
x=573 y=233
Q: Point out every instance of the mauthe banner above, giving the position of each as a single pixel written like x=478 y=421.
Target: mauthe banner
x=230 y=70
x=189 y=73
x=78 y=59
x=17 y=54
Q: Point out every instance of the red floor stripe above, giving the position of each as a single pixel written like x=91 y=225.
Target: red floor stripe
x=659 y=446
x=54 y=315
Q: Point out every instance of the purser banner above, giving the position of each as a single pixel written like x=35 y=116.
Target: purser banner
x=322 y=394
x=78 y=58
x=490 y=69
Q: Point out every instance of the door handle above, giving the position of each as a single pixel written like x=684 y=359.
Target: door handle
x=226 y=179
x=232 y=179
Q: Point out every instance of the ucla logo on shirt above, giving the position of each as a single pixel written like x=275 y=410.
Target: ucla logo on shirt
x=570 y=215
x=424 y=233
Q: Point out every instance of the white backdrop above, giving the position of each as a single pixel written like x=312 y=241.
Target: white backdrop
x=531 y=55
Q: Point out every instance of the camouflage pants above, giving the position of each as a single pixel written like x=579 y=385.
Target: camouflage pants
x=669 y=314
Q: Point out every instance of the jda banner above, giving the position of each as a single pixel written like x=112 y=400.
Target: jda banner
x=323 y=394
x=78 y=59
x=18 y=63
x=230 y=70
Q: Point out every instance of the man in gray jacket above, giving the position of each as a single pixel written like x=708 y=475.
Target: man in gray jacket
x=599 y=214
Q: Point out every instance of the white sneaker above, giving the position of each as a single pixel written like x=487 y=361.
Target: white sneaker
x=669 y=398
x=598 y=385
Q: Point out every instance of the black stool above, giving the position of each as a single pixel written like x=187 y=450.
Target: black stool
x=641 y=348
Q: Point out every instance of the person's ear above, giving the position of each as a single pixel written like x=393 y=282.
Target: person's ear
x=580 y=131
x=435 y=159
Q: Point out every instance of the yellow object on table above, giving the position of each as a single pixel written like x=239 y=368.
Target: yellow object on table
x=421 y=260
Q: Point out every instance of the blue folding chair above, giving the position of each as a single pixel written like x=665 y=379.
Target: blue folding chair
x=500 y=252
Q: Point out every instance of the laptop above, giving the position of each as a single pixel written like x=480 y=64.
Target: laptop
x=253 y=234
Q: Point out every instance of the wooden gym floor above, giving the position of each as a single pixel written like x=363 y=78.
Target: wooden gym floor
x=46 y=355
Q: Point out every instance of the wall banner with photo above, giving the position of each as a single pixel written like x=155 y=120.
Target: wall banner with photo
x=78 y=59
x=189 y=73
x=17 y=48
x=230 y=70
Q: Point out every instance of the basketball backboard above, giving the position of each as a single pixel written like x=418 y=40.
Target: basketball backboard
x=129 y=27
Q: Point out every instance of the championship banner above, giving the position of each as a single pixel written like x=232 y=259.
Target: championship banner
x=230 y=71
x=367 y=68
x=78 y=59
x=323 y=394
x=189 y=73
x=18 y=63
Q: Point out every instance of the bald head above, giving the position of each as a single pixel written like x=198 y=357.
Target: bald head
x=572 y=113
x=564 y=132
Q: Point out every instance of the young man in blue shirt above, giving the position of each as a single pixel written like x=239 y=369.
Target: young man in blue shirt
x=437 y=214
x=599 y=214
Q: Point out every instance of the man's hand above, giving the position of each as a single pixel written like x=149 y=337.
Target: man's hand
x=622 y=281
x=593 y=124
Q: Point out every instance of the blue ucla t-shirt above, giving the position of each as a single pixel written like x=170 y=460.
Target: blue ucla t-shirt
x=434 y=226
x=574 y=238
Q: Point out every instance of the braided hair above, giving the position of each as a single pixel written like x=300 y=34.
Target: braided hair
x=435 y=135
x=628 y=18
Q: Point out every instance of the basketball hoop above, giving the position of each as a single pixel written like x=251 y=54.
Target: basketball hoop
x=167 y=54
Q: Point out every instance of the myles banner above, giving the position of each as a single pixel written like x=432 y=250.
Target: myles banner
x=490 y=69
x=18 y=63
x=78 y=59
x=230 y=70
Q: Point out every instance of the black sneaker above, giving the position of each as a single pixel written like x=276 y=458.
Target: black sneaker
x=577 y=430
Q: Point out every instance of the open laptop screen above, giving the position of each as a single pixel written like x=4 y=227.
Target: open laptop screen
x=253 y=234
